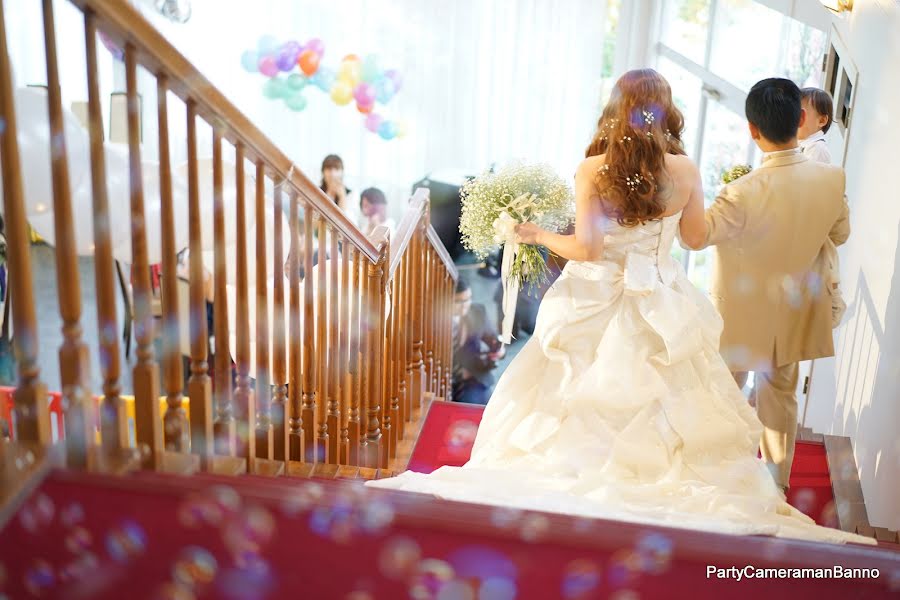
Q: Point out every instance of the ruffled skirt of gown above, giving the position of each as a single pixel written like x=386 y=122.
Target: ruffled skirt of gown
x=620 y=407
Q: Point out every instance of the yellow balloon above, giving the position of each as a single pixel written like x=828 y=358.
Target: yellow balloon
x=402 y=129
x=342 y=93
x=350 y=71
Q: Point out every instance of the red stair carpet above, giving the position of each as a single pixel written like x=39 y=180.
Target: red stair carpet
x=158 y=536
x=448 y=434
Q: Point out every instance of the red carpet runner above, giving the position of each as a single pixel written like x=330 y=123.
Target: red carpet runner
x=449 y=432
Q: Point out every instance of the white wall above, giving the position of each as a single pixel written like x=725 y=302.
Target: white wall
x=857 y=394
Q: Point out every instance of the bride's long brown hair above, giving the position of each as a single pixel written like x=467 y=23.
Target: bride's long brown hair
x=638 y=127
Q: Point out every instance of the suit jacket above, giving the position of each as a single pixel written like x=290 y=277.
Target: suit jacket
x=768 y=229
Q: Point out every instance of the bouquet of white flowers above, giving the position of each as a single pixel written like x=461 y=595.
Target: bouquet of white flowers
x=494 y=203
x=735 y=173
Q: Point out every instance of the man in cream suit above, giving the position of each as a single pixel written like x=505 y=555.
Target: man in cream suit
x=768 y=228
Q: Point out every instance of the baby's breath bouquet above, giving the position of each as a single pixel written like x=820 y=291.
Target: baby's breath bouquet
x=735 y=173
x=495 y=202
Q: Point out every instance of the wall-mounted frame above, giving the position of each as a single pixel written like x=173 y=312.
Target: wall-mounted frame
x=841 y=81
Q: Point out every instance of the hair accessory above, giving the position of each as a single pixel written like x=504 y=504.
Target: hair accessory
x=649 y=117
x=634 y=182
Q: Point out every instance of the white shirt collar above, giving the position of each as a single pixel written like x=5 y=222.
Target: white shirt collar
x=780 y=153
x=816 y=137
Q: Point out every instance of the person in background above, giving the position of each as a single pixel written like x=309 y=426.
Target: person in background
x=373 y=206
x=333 y=182
x=819 y=110
x=476 y=348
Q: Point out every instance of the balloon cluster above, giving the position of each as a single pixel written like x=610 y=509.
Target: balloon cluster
x=291 y=67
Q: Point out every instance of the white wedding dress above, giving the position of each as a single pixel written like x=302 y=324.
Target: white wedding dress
x=621 y=407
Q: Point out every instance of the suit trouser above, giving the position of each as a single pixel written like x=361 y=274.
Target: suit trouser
x=775 y=397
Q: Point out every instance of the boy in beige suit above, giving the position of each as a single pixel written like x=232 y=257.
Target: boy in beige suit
x=768 y=227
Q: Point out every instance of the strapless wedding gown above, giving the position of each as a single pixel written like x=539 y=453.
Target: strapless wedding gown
x=620 y=407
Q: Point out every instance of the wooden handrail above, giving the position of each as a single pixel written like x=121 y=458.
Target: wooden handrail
x=407 y=228
x=125 y=25
x=442 y=252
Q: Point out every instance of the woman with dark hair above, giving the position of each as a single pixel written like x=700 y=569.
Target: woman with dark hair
x=333 y=181
x=620 y=405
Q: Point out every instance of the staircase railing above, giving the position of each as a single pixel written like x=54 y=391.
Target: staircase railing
x=357 y=341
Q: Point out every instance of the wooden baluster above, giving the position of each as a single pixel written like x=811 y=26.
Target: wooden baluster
x=243 y=401
x=392 y=406
x=434 y=294
x=437 y=297
x=343 y=453
x=113 y=418
x=333 y=349
x=279 y=375
x=417 y=362
x=321 y=433
x=399 y=365
x=74 y=363
x=376 y=455
x=264 y=432
x=148 y=427
x=446 y=326
x=30 y=396
x=199 y=383
x=430 y=299
x=365 y=364
x=309 y=332
x=224 y=425
x=175 y=421
x=353 y=426
x=450 y=293
x=384 y=413
x=296 y=437
x=408 y=298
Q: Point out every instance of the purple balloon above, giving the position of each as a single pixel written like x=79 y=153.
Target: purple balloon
x=395 y=77
x=286 y=60
x=293 y=48
x=268 y=66
x=373 y=122
x=364 y=94
x=316 y=45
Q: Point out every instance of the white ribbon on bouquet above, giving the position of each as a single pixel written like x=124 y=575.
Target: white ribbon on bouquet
x=505 y=233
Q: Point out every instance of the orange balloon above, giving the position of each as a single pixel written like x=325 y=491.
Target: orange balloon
x=351 y=58
x=365 y=108
x=309 y=62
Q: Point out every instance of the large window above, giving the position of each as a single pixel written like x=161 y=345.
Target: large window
x=712 y=52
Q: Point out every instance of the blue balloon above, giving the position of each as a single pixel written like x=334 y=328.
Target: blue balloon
x=323 y=79
x=250 y=61
x=296 y=103
x=267 y=44
x=384 y=90
x=387 y=130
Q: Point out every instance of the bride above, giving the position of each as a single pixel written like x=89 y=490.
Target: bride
x=620 y=405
